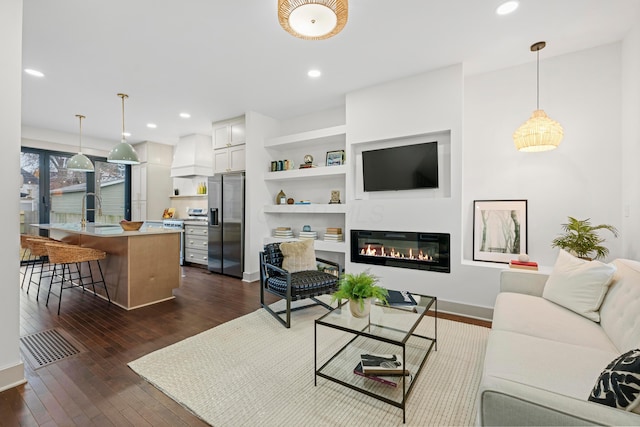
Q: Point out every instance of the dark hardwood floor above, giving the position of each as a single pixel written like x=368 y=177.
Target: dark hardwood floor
x=96 y=387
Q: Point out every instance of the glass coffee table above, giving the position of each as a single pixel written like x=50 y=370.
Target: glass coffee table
x=340 y=340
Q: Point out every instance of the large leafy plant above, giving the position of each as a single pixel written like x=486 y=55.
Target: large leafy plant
x=358 y=287
x=581 y=238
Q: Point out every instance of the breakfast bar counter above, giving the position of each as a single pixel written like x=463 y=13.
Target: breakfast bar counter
x=141 y=268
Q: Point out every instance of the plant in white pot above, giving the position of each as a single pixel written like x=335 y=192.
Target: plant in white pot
x=580 y=238
x=360 y=289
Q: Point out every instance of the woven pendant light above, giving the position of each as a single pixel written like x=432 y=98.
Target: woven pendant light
x=313 y=19
x=539 y=133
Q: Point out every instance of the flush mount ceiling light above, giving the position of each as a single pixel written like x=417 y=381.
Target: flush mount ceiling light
x=314 y=73
x=123 y=153
x=185 y=115
x=539 y=133
x=313 y=19
x=152 y=125
x=80 y=162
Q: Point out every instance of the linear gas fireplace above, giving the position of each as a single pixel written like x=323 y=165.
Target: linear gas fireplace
x=420 y=251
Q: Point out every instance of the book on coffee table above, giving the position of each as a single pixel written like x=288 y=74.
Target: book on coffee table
x=390 y=381
x=382 y=364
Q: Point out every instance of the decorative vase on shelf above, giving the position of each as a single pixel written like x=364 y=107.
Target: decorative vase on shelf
x=357 y=310
x=281 y=198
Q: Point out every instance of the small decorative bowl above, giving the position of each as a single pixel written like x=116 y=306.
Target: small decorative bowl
x=131 y=225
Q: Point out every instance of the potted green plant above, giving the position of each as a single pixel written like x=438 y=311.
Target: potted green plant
x=359 y=289
x=580 y=238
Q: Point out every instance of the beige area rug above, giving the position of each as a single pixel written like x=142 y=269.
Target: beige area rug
x=253 y=371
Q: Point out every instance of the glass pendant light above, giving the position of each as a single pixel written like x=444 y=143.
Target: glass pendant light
x=80 y=162
x=123 y=153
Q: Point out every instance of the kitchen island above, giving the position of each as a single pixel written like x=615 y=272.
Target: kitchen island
x=142 y=267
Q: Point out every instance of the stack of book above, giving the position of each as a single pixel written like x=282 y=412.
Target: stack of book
x=528 y=265
x=311 y=235
x=306 y=166
x=333 y=234
x=283 y=233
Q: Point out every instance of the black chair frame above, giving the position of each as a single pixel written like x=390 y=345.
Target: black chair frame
x=293 y=293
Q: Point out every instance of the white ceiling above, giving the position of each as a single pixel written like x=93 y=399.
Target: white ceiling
x=217 y=59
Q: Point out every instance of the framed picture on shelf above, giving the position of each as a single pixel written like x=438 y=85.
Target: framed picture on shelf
x=499 y=230
x=335 y=158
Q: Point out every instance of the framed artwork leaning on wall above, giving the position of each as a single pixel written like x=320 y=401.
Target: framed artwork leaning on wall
x=499 y=230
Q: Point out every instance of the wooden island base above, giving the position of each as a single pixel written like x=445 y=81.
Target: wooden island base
x=141 y=268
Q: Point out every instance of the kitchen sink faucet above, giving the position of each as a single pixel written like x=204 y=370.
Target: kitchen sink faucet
x=85 y=209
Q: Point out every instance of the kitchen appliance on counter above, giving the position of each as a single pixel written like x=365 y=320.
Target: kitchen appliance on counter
x=226 y=224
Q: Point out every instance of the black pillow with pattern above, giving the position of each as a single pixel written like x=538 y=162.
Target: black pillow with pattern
x=619 y=384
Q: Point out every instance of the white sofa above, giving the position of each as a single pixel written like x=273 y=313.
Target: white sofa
x=542 y=360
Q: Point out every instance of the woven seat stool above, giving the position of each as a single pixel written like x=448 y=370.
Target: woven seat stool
x=38 y=261
x=26 y=257
x=62 y=256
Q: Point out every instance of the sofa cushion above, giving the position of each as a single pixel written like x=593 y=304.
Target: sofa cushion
x=620 y=310
x=554 y=366
x=618 y=385
x=541 y=318
x=298 y=256
x=579 y=285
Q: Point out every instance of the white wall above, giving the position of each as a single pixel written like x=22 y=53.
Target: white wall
x=61 y=141
x=581 y=178
x=258 y=127
x=11 y=367
x=631 y=144
x=430 y=105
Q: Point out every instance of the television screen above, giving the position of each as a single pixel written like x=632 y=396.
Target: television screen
x=401 y=168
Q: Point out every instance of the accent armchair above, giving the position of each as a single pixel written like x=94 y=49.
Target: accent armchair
x=293 y=278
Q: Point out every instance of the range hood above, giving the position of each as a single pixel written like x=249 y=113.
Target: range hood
x=193 y=156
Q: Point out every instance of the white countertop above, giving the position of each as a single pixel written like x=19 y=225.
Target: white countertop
x=105 y=230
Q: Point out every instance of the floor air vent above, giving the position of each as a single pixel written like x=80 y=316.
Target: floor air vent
x=50 y=346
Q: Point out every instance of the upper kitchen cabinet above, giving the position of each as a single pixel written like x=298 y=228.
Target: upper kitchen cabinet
x=228 y=133
x=228 y=144
x=151 y=181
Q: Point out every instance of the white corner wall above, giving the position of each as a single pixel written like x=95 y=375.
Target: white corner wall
x=630 y=232
x=581 y=178
x=11 y=367
x=429 y=104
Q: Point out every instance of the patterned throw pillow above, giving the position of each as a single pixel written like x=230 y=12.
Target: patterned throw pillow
x=619 y=384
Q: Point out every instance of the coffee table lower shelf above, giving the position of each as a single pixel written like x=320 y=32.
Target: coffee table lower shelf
x=350 y=344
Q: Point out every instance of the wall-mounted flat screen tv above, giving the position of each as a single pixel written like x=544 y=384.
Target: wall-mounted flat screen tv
x=401 y=168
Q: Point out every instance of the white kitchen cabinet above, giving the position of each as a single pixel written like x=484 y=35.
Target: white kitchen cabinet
x=228 y=133
x=231 y=159
x=151 y=182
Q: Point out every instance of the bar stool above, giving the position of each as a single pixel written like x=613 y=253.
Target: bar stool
x=39 y=260
x=62 y=256
x=27 y=258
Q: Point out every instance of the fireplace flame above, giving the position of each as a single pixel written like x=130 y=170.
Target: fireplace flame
x=396 y=254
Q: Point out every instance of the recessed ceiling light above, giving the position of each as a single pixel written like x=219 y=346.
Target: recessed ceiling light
x=314 y=73
x=33 y=72
x=185 y=115
x=507 y=7
x=126 y=134
x=152 y=125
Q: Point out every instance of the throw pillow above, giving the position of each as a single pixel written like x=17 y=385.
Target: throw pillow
x=579 y=285
x=298 y=256
x=618 y=385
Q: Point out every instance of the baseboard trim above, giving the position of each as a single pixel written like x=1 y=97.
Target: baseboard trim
x=251 y=277
x=12 y=376
x=471 y=311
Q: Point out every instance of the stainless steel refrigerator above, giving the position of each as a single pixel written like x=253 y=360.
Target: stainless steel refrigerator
x=226 y=224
